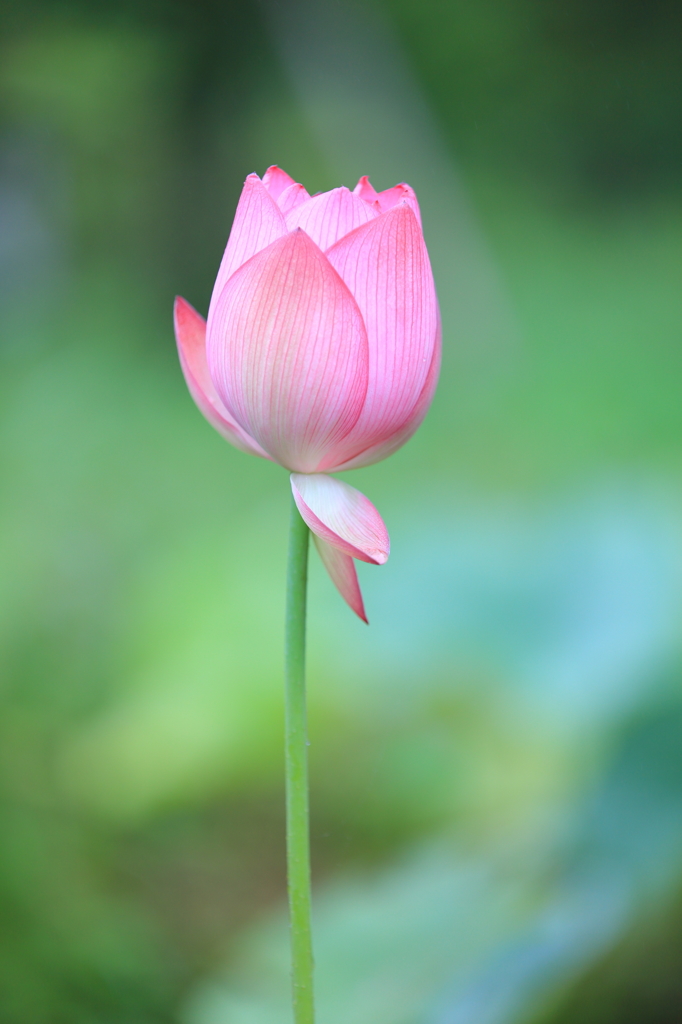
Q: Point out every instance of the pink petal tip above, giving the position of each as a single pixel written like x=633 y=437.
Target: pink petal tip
x=341 y=569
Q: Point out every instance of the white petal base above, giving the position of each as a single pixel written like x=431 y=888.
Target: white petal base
x=345 y=525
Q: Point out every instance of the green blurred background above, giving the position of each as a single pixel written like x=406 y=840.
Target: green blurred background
x=497 y=760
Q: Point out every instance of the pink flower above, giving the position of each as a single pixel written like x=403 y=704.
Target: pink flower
x=322 y=348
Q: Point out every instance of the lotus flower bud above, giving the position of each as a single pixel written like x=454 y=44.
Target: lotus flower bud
x=322 y=347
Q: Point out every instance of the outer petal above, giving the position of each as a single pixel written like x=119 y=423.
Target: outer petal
x=342 y=516
x=257 y=222
x=190 y=333
x=390 y=197
x=287 y=352
x=380 y=451
x=276 y=181
x=331 y=215
x=341 y=568
x=386 y=266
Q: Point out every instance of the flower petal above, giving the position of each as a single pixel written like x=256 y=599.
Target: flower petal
x=386 y=267
x=400 y=194
x=382 y=450
x=276 y=181
x=390 y=197
x=342 y=516
x=292 y=197
x=257 y=222
x=341 y=568
x=330 y=215
x=190 y=333
x=287 y=352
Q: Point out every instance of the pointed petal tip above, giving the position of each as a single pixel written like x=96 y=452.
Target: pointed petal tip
x=185 y=320
x=343 y=574
x=365 y=189
x=276 y=180
x=179 y=303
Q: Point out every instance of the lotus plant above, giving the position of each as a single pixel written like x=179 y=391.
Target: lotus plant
x=321 y=352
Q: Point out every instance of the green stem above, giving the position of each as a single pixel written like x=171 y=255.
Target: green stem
x=298 y=832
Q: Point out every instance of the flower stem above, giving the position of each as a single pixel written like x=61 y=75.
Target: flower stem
x=296 y=745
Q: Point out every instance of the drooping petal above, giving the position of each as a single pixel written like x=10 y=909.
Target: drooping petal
x=386 y=266
x=382 y=450
x=390 y=197
x=190 y=333
x=292 y=197
x=287 y=352
x=341 y=568
x=342 y=516
x=257 y=222
x=276 y=181
x=331 y=215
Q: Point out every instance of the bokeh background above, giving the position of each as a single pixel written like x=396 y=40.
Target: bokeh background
x=497 y=760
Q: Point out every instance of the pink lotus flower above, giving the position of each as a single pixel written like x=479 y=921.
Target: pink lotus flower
x=322 y=348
